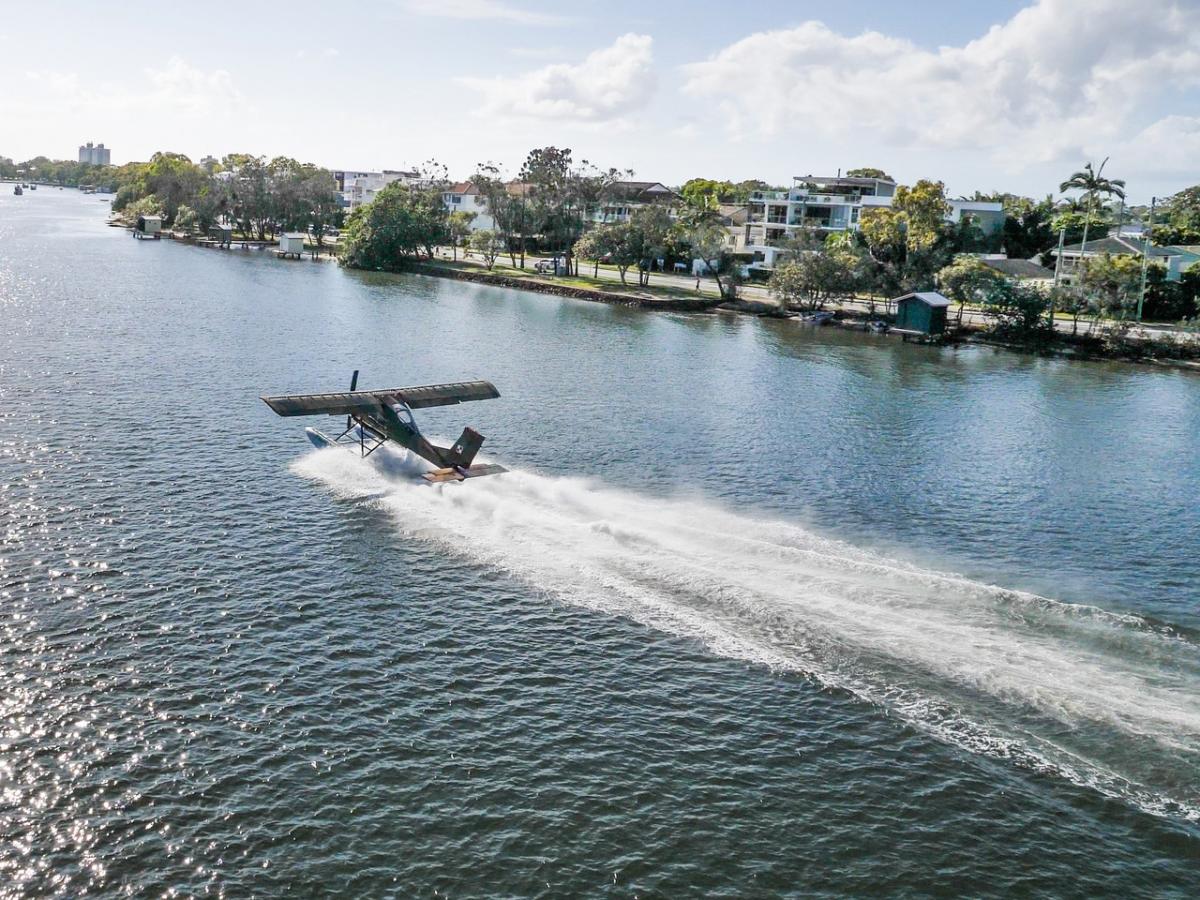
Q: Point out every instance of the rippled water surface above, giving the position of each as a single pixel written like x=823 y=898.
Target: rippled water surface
x=758 y=611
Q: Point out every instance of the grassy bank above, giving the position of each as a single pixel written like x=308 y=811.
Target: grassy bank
x=580 y=287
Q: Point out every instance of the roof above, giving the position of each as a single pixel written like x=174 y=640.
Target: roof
x=294 y=234
x=655 y=186
x=463 y=187
x=640 y=190
x=1190 y=255
x=929 y=298
x=848 y=180
x=1119 y=247
x=1018 y=268
x=734 y=212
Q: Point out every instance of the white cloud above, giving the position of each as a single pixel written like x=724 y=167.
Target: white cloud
x=542 y=53
x=185 y=88
x=177 y=88
x=1053 y=80
x=1169 y=147
x=479 y=10
x=609 y=83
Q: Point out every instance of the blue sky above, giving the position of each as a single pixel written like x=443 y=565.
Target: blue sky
x=1000 y=95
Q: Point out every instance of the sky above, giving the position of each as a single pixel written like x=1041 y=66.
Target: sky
x=1000 y=95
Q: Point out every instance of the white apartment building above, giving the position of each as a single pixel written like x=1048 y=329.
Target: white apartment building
x=359 y=188
x=623 y=197
x=97 y=155
x=465 y=197
x=830 y=204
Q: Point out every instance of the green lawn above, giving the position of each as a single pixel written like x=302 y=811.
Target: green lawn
x=609 y=285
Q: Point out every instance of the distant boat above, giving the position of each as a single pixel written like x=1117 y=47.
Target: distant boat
x=878 y=326
x=17 y=190
x=33 y=187
x=818 y=318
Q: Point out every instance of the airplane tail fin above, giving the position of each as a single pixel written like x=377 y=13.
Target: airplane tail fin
x=465 y=448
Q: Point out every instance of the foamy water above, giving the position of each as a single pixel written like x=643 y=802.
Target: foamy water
x=1104 y=700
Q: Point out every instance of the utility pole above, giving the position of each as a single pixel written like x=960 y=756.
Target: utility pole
x=1146 y=258
x=1062 y=236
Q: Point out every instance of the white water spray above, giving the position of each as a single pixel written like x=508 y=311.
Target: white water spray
x=1102 y=699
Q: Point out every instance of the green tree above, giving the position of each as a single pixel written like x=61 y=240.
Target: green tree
x=1028 y=227
x=1112 y=285
x=1017 y=310
x=924 y=209
x=966 y=280
x=506 y=207
x=868 y=172
x=146 y=206
x=251 y=203
x=882 y=232
x=653 y=228
x=700 y=191
x=812 y=279
x=175 y=181
x=488 y=243
x=458 y=228
x=709 y=242
x=394 y=228
x=1094 y=186
x=322 y=202
x=552 y=199
x=593 y=245
x=185 y=218
x=1180 y=223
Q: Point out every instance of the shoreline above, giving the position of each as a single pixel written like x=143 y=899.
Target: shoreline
x=1060 y=349
x=532 y=283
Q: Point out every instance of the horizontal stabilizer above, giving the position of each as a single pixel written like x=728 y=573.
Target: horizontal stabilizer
x=437 y=476
x=350 y=402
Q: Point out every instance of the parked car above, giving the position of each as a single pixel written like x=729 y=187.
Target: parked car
x=546 y=267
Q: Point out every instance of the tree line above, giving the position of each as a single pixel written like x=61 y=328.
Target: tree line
x=256 y=196
x=554 y=204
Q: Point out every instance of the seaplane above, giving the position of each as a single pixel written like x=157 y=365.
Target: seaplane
x=375 y=417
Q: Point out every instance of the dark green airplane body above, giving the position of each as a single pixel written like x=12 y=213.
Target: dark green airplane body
x=375 y=417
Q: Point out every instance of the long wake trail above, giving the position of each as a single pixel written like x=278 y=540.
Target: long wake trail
x=1108 y=701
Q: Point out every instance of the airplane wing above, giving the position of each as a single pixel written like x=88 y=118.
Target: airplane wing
x=349 y=402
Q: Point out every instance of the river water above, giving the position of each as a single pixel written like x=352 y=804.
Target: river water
x=759 y=610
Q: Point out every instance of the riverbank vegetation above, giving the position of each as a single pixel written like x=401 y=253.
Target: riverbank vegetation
x=258 y=197
x=558 y=207
x=551 y=207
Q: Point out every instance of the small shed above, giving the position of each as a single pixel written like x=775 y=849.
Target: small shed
x=291 y=243
x=923 y=312
x=149 y=226
x=222 y=234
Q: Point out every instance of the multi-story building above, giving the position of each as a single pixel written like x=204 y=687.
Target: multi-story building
x=620 y=200
x=359 y=188
x=828 y=205
x=465 y=197
x=623 y=197
x=97 y=155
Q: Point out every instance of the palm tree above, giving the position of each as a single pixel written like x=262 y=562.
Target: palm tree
x=1093 y=184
